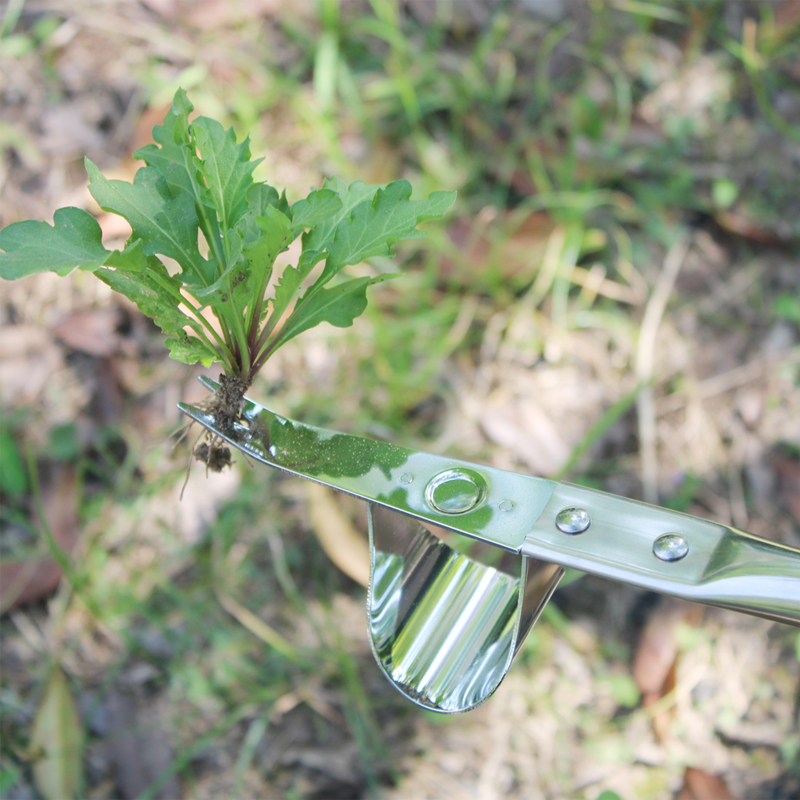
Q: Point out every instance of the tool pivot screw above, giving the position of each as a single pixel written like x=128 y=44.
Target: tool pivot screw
x=670 y=547
x=455 y=491
x=573 y=520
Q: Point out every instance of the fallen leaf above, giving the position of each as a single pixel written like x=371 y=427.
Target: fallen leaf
x=505 y=244
x=337 y=535
x=27 y=581
x=701 y=785
x=737 y=223
x=30 y=580
x=57 y=741
x=657 y=648
x=655 y=661
x=91 y=331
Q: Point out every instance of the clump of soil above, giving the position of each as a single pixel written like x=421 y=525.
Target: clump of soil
x=214 y=455
x=226 y=405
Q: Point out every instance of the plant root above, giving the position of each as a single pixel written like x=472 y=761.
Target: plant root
x=215 y=454
x=228 y=403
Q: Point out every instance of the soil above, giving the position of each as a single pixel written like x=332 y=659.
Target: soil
x=226 y=405
x=215 y=455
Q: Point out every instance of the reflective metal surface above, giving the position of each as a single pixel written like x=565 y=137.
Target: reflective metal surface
x=551 y=523
x=488 y=504
x=717 y=565
x=445 y=628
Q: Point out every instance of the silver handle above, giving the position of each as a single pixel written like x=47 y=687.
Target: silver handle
x=668 y=552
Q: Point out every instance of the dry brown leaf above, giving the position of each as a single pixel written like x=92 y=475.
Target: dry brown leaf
x=514 y=247
x=657 y=647
x=654 y=664
x=91 y=331
x=26 y=581
x=737 y=223
x=337 y=535
x=701 y=785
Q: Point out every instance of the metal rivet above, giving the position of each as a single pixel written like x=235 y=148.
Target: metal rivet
x=670 y=547
x=506 y=505
x=573 y=520
x=455 y=491
x=406 y=478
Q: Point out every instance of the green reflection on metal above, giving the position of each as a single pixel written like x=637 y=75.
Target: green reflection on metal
x=302 y=448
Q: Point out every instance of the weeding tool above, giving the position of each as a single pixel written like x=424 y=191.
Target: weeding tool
x=445 y=628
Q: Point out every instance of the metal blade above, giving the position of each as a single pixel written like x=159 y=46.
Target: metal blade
x=488 y=504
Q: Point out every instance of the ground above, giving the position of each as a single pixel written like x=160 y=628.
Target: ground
x=615 y=301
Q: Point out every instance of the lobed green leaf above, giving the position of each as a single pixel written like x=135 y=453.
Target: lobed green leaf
x=197 y=178
x=73 y=241
x=189 y=350
x=145 y=280
x=339 y=306
x=173 y=157
x=318 y=207
x=321 y=235
x=372 y=227
x=166 y=225
x=227 y=169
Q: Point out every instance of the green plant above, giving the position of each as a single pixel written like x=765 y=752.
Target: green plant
x=229 y=304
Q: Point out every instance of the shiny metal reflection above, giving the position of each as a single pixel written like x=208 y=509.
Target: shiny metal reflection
x=445 y=628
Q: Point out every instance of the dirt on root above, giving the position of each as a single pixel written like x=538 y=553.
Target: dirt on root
x=226 y=405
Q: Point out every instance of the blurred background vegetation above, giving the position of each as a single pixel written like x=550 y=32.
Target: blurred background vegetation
x=615 y=300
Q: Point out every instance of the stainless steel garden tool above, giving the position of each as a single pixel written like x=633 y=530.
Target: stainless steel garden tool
x=445 y=627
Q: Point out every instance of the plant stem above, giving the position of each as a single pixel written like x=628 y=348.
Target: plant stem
x=204 y=323
x=241 y=337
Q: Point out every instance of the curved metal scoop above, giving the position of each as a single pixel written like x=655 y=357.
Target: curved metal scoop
x=445 y=628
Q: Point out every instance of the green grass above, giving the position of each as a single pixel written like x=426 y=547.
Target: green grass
x=521 y=116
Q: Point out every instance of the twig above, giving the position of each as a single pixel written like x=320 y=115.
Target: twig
x=645 y=357
x=243 y=615
x=256 y=625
